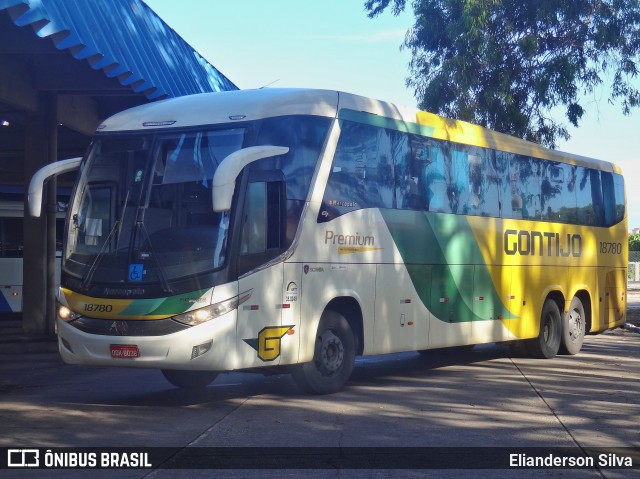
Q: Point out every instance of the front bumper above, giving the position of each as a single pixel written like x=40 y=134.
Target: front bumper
x=167 y=351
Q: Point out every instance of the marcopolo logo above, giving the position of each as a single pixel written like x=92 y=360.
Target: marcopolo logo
x=537 y=243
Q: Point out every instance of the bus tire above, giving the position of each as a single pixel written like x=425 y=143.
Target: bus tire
x=573 y=328
x=333 y=358
x=189 y=379
x=547 y=344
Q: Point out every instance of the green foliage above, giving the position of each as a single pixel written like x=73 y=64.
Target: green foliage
x=634 y=242
x=505 y=64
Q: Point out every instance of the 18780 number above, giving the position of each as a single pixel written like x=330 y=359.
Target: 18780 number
x=610 y=248
x=98 y=308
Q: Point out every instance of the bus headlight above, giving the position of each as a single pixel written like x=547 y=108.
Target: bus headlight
x=65 y=314
x=202 y=315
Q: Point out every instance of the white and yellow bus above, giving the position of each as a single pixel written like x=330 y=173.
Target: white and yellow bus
x=301 y=228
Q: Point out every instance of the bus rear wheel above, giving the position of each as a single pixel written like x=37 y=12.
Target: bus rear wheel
x=547 y=344
x=189 y=379
x=573 y=328
x=333 y=358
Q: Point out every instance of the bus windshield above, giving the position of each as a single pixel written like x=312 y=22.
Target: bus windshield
x=142 y=210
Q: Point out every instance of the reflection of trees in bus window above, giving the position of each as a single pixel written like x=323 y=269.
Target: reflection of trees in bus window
x=558 y=192
x=362 y=155
x=500 y=165
x=586 y=207
x=411 y=157
x=374 y=167
x=438 y=180
x=483 y=196
x=525 y=179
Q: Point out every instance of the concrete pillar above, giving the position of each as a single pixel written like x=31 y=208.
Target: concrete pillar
x=38 y=308
x=51 y=209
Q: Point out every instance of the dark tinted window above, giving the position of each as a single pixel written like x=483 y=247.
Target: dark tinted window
x=525 y=179
x=381 y=168
x=11 y=237
x=586 y=211
x=304 y=136
x=558 y=195
x=612 y=197
x=362 y=174
x=411 y=156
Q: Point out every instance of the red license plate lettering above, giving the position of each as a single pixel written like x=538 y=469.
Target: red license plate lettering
x=124 y=351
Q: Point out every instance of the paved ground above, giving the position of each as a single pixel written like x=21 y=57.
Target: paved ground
x=484 y=397
x=477 y=398
x=633 y=305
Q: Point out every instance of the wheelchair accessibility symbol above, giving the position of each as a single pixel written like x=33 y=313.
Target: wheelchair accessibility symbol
x=135 y=272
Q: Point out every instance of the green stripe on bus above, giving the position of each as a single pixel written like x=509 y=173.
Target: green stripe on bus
x=164 y=306
x=180 y=303
x=446 y=267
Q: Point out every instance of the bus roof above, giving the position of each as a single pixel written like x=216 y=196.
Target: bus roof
x=216 y=108
x=245 y=105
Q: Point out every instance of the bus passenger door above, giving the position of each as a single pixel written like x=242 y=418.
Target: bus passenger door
x=262 y=335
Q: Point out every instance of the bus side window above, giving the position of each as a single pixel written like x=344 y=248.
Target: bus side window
x=262 y=224
x=558 y=192
x=589 y=205
x=483 y=184
x=613 y=198
x=618 y=187
x=435 y=179
x=525 y=179
x=11 y=237
x=501 y=166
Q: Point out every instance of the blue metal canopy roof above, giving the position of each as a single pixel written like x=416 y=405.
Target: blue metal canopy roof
x=126 y=40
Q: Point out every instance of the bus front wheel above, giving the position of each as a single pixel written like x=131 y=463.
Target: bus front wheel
x=547 y=344
x=189 y=379
x=573 y=328
x=333 y=357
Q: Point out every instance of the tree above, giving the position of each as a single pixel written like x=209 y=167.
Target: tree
x=505 y=64
x=634 y=242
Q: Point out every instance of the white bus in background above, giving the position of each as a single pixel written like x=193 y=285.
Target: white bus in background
x=12 y=247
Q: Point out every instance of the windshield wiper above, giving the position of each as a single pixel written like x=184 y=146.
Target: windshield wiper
x=159 y=271
x=88 y=276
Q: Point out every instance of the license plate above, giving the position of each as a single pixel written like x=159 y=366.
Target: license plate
x=124 y=351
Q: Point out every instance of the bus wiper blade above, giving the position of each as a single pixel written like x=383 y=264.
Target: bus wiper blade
x=88 y=276
x=160 y=271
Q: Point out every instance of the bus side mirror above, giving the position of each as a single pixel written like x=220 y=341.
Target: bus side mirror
x=224 y=179
x=36 y=184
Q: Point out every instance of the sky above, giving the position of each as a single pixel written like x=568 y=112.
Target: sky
x=332 y=44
